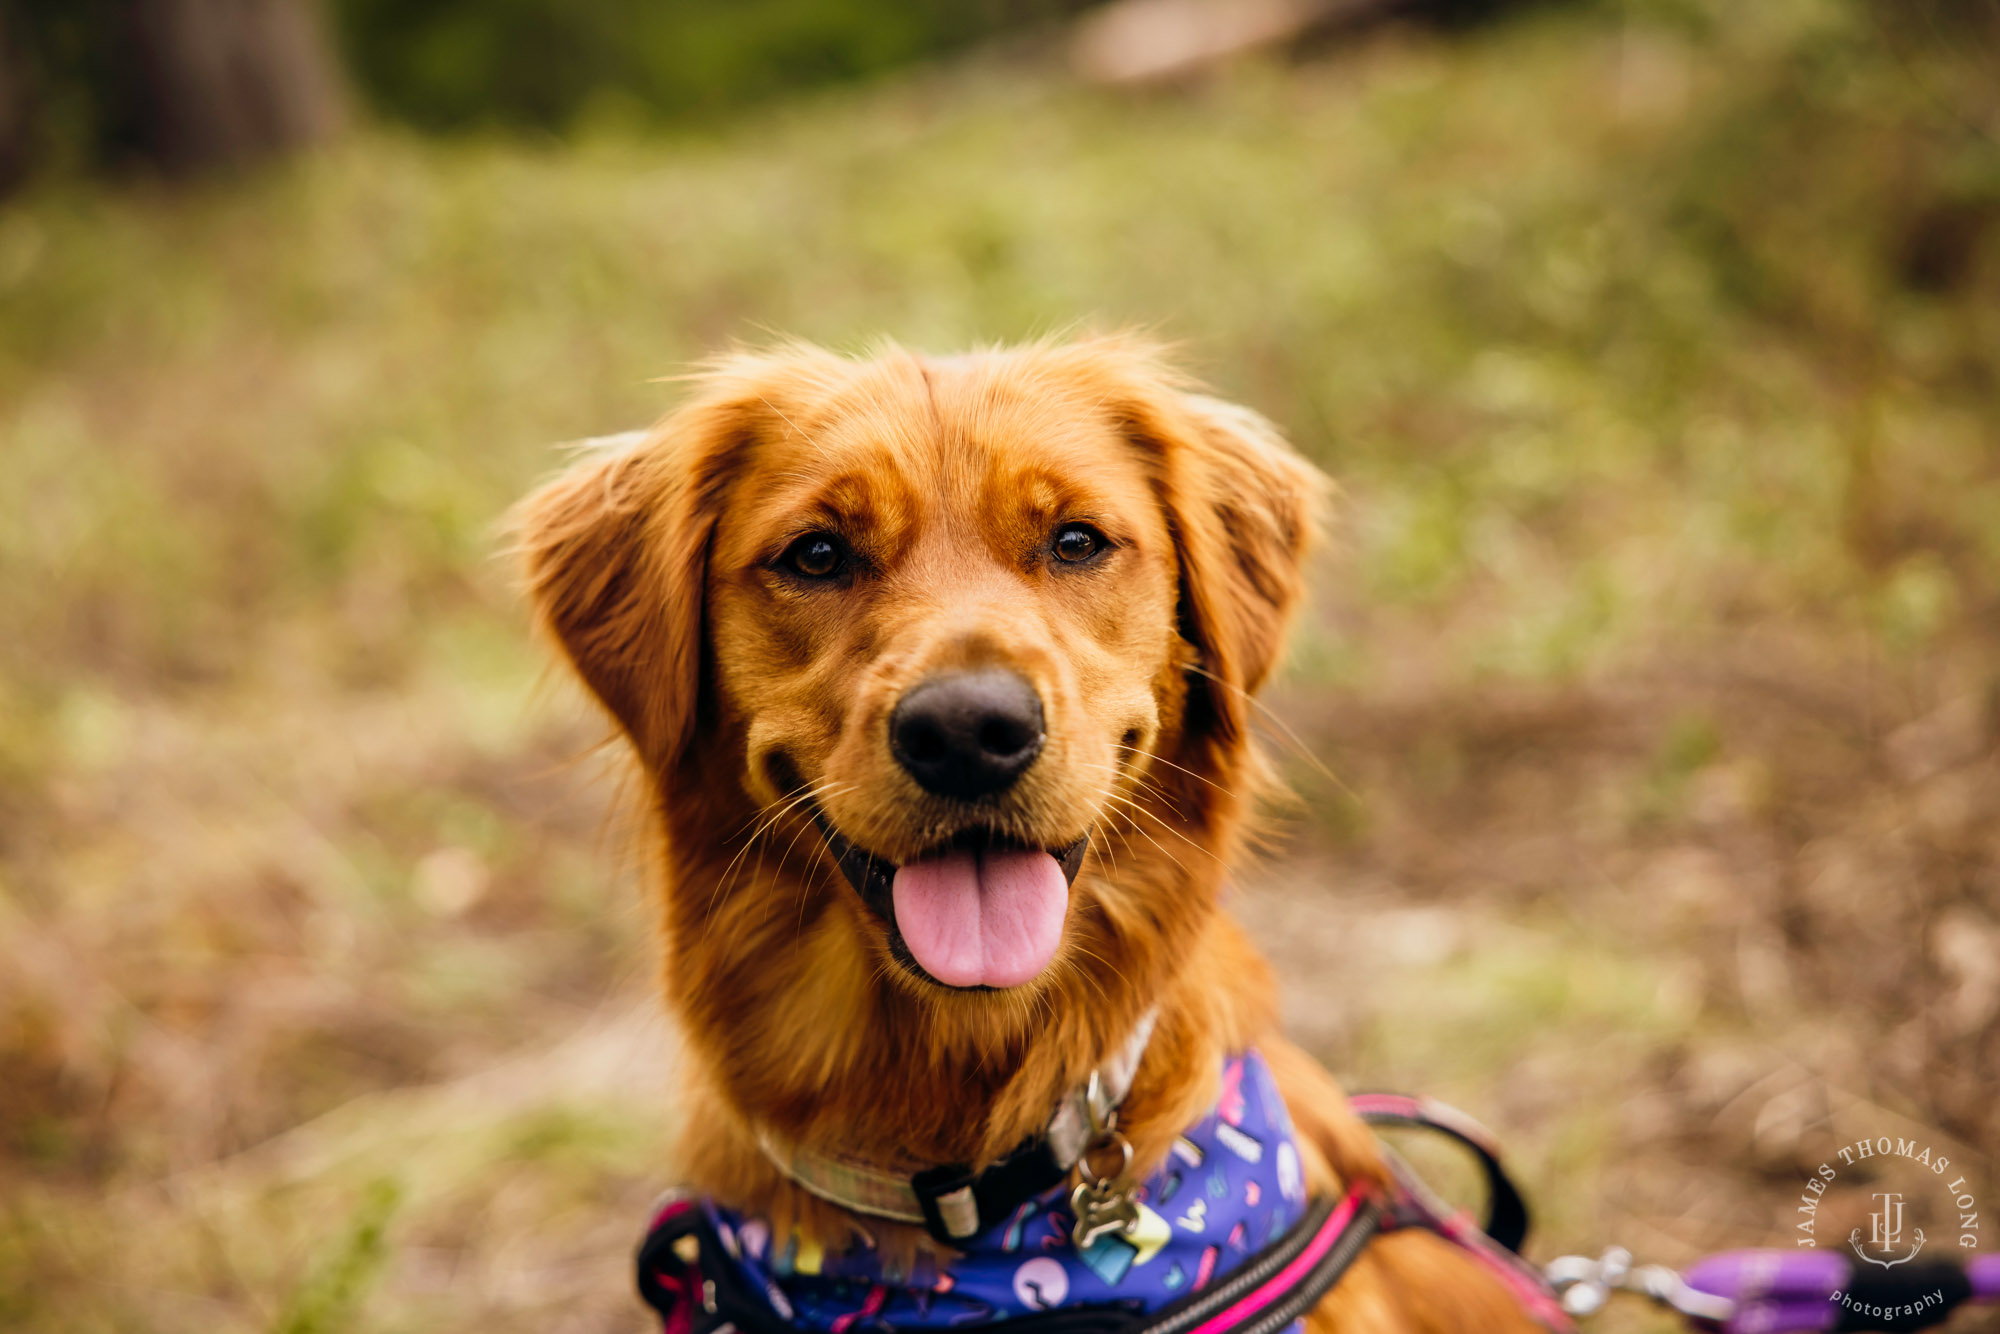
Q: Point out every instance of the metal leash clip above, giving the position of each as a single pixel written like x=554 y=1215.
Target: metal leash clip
x=1585 y=1285
x=1103 y=1203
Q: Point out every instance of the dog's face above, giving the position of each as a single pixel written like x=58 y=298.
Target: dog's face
x=945 y=609
x=979 y=630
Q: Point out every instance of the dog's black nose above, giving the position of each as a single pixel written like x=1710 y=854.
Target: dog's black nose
x=968 y=734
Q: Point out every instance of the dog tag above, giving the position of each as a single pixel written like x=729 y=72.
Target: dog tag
x=1103 y=1205
x=1102 y=1210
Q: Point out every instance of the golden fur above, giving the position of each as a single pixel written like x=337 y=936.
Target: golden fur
x=748 y=698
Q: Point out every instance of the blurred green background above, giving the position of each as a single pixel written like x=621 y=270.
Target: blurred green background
x=1644 y=724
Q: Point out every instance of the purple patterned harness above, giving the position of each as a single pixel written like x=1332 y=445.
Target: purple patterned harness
x=1226 y=1242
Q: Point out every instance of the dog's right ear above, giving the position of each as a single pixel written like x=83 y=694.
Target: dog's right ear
x=616 y=557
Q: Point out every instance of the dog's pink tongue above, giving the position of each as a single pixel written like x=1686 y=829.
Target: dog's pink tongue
x=989 y=918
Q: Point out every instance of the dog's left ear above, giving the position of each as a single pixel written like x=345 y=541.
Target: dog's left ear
x=615 y=559
x=1244 y=509
x=616 y=555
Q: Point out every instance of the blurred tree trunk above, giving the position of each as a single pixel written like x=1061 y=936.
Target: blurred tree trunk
x=16 y=147
x=219 y=83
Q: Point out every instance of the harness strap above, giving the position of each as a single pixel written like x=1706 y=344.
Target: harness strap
x=1497 y=1243
x=1285 y=1280
x=953 y=1202
x=686 y=1276
x=1506 y=1212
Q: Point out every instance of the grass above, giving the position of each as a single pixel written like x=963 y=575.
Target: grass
x=1653 y=666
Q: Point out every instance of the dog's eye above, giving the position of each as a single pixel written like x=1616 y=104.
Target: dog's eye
x=1078 y=542
x=816 y=556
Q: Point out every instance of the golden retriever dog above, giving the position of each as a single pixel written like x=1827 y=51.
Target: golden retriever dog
x=938 y=674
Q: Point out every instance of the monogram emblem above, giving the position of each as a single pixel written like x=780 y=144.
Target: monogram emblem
x=1885 y=1233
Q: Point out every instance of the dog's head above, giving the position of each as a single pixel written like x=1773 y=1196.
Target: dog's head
x=978 y=632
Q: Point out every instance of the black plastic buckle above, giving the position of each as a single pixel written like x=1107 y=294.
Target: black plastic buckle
x=947 y=1195
x=959 y=1204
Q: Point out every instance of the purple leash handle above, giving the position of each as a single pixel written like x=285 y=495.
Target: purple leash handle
x=1779 y=1292
x=1771 y=1291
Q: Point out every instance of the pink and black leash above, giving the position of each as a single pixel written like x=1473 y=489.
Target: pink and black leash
x=1735 y=1292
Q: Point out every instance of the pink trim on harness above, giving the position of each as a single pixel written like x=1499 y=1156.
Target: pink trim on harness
x=1287 y=1278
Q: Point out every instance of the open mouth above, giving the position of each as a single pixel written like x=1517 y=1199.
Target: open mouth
x=981 y=911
